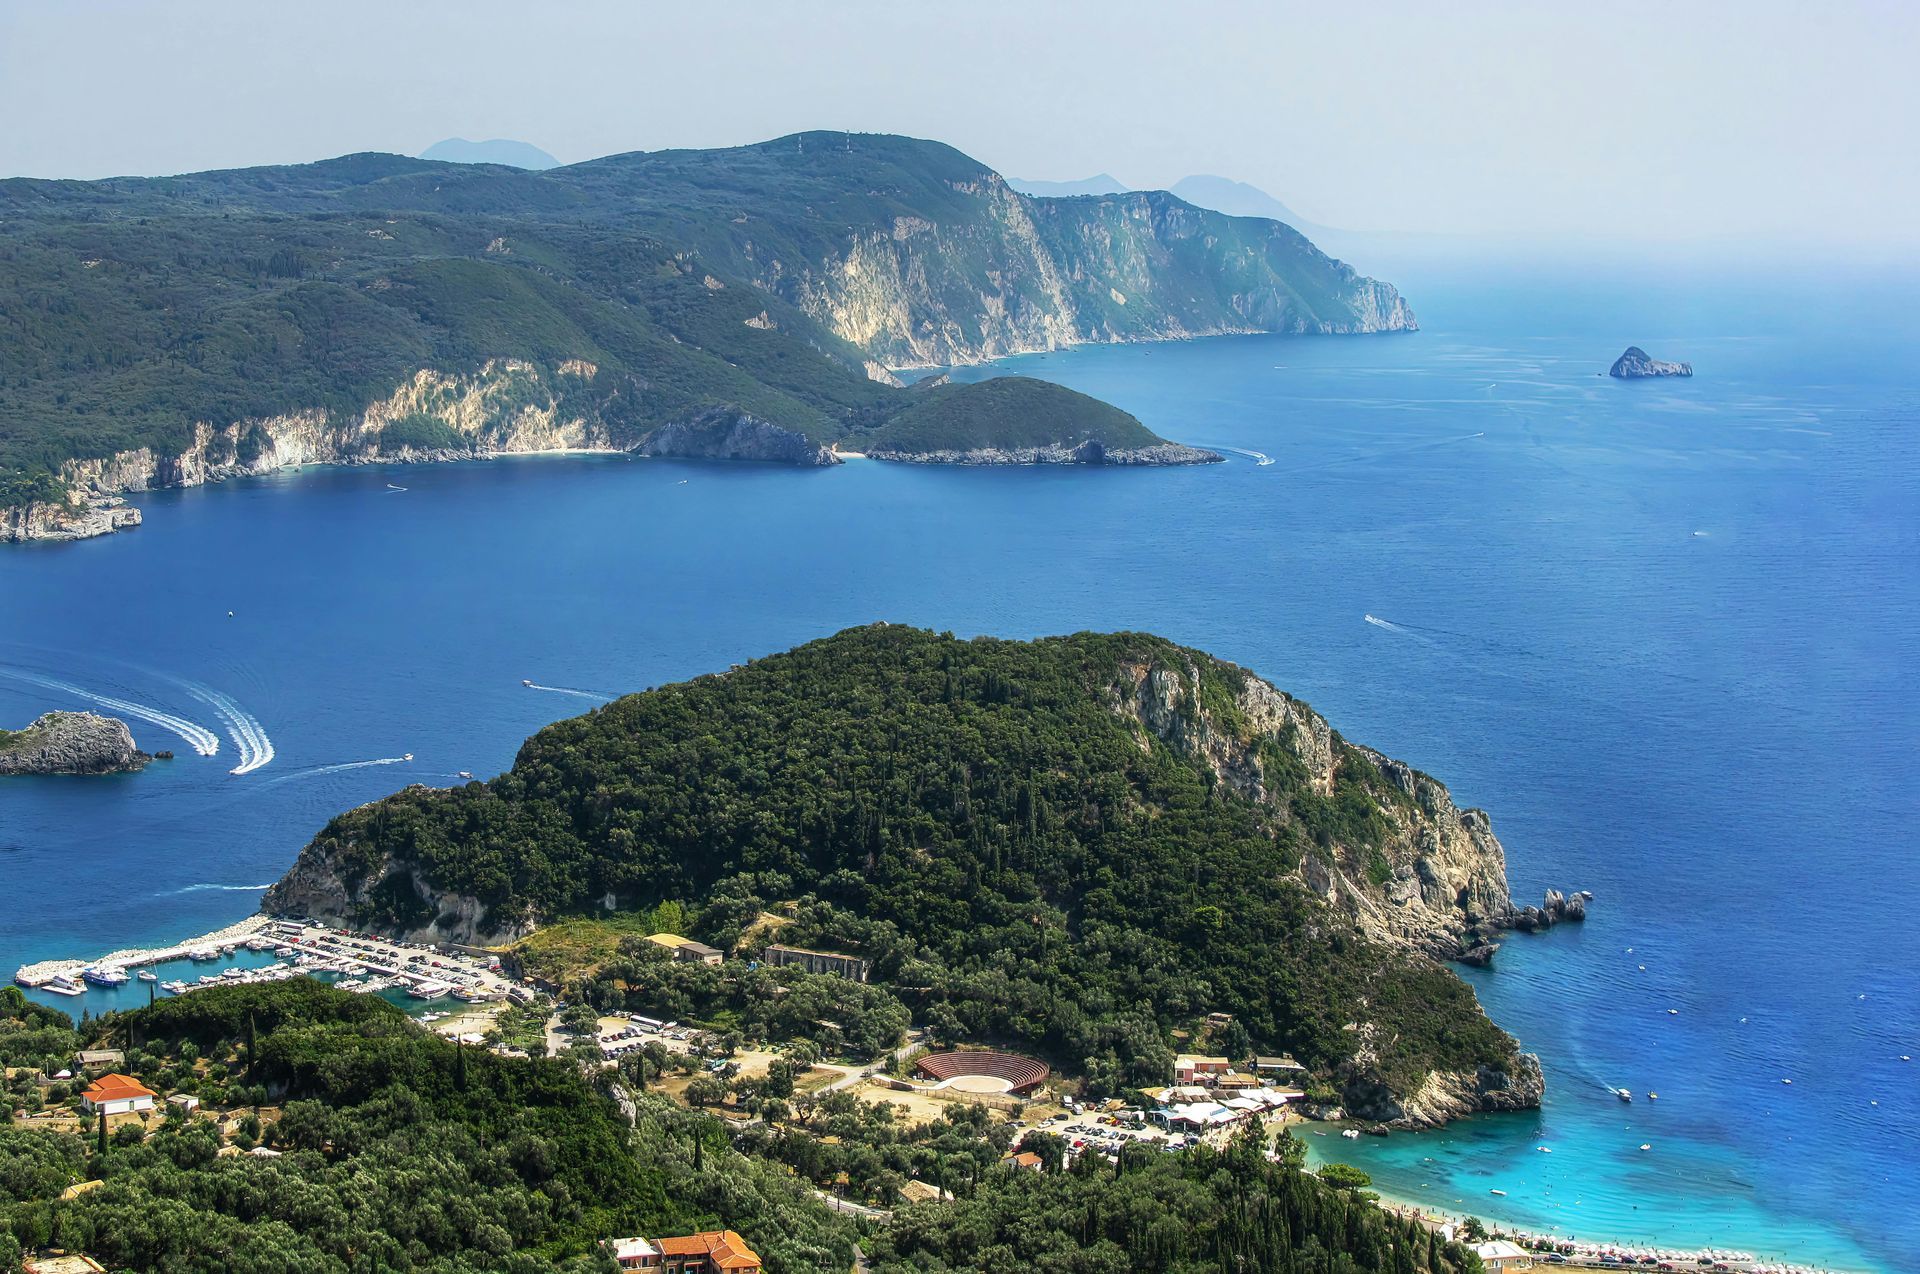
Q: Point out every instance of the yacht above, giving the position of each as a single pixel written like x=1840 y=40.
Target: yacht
x=147 y=975
x=61 y=984
x=104 y=977
x=203 y=954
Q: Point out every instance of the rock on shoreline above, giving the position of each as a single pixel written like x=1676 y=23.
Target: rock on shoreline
x=71 y=743
x=1637 y=363
x=1091 y=452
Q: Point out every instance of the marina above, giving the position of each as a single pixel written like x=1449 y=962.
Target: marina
x=265 y=949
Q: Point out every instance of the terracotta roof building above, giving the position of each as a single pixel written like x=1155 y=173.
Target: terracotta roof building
x=116 y=1094
x=709 y=1252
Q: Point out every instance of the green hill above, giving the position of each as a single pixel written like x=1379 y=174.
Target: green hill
x=1075 y=844
x=168 y=331
x=1007 y=413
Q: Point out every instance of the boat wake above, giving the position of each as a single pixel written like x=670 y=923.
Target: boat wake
x=256 y=749
x=356 y=765
x=1392 y=627
x=1260 y=458
x=230 y=889
x=563 y=690
x=199 y=738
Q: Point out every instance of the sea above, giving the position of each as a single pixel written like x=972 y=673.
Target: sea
x=1663 y=631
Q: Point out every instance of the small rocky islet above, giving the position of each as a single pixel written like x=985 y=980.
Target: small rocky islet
x=71 y=743
x=1637 y=364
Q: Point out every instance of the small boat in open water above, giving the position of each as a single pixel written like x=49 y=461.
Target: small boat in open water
x=1623 y=1094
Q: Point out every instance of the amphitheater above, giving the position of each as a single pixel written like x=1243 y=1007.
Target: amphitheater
x=980 y=1071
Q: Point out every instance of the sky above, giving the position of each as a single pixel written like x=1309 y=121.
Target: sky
x=1756 y=121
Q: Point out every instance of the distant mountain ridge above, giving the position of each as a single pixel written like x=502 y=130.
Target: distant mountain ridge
x=498 y=150
x=1098 y=184
x=742 y=303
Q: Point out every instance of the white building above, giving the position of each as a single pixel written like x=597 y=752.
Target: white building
x=117 y=1094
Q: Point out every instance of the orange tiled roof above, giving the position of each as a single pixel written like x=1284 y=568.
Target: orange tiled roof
x=723 y=1249
x=117 y=1087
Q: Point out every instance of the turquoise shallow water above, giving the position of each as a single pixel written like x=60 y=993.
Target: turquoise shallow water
x=1664 y=632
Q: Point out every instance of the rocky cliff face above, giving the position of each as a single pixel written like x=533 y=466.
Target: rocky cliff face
x=508 y=407
x=1434 y=876
x=1013 y=274
x=1636 y=363
x=329 y=890
x=730 y=434
x=1434 y=879
x=70 y=743
x=1091 y=452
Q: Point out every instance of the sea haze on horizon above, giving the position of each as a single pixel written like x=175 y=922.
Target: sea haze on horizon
x=1663 y=631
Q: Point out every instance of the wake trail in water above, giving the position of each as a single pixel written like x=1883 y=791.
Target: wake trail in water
x=1392 y=627
x=199 y=738
x=256 y=749
x=1260 y=458
x=226 y=889
x=563 y=690
x=315 y=771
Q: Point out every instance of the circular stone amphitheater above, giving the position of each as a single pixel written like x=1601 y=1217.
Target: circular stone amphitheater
x=980 y=1071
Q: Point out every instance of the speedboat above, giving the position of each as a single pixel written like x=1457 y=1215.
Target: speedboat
x=465 y=774
x=1351 y=1134
x=406 y=756
x=526 y=682
x=1623 y=1094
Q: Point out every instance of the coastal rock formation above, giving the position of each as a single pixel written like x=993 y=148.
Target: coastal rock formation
x=1091 y=452
x=729 y=434
x=1636 y=363
x=1446 y=1095
x=70 y=743
x=323 y=889
x=1434 y=877
x=995 y=272
x=80 y=519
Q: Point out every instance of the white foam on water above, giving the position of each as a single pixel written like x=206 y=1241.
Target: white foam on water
x=1392 y=627
x=199 y=738
x=1260 y=458
x=356 y=765
x=233 y=889
x=256 y=749
x=562 y=690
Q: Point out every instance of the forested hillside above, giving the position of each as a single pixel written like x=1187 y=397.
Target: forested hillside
x=1075 y=844
x=733 y=303
x=382 y=1147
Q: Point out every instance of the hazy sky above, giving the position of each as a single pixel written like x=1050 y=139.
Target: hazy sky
x=1750 y=120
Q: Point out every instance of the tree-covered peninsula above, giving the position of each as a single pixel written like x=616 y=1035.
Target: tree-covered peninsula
x=727 y=304
x=1077 y=845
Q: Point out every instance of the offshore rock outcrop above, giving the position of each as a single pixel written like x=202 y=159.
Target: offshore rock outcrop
x=1637 y=363
x=71 y=743
x=1090 y=452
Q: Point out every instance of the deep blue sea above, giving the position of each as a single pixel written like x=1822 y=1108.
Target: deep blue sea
x=1663 y=631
